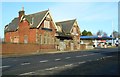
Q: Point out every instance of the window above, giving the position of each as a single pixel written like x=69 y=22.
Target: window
x=16 y=39
x=46 y=24
x=40 y=39
x=11 y=40
x=25 y=39
x=36 y=38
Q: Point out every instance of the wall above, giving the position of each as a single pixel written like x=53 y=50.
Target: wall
x=82 y=46
x=8 y=48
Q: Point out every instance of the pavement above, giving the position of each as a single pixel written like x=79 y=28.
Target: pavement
x=42 y=64
x=38 y=53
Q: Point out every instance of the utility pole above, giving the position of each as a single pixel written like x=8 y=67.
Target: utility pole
x=112 y=33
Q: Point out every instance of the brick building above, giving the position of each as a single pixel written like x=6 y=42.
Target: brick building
x=69 y=33
x=39 y=28
x=33 y=28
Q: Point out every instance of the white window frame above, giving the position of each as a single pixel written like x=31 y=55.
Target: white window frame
x=17 y=39
x=25 y=40
x=46 y=24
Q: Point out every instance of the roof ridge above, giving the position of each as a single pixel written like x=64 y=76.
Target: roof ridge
x=37 y=12
x=66 y=20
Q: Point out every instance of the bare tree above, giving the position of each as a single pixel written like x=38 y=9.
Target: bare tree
x=115 y=34
x=99 y=33
x=104 y=34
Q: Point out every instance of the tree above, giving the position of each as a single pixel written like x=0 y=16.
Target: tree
x=89 y=33
x=115 y=34
x=84 y=33
x=99 y=33
x=104 y=34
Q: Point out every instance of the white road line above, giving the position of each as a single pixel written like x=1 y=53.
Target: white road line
x=109 y=56
x=57 y=59
x=82 y=62
x=4 y=66
x=27 y=73
x=43 y=61
x=67 y=57
x=50 y=68
x=14 y=60
x=85 y=55
x=98 y=59
x=25 y=63
x=91 y=54
x=68 y=64
x=89 y=60
x=102 y=58
x=78 y=56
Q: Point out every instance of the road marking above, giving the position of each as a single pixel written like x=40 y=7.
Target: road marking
x=67 y=57
x=102 y=58
x=98 y=59
x=108 y=56
x=27 y=73
x=57 y=59
x=14 y=60
x=4 y=66
x=91 y=54
x=43 y=61
x=50 y=68
x=89 y=60
x=82 y=62
x=85 y=55
x=68 y=64
x=78 y=56
x=25 y=63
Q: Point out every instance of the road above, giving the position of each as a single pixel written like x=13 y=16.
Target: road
x=39 y=64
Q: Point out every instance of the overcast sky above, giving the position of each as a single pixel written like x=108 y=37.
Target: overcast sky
x=91 y=16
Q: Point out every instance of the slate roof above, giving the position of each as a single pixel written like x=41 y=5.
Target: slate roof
x=12 y=26
x=66 y=25
x=37 y=18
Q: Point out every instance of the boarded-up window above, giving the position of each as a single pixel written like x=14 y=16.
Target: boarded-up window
x=25 y=39
x=46 y=24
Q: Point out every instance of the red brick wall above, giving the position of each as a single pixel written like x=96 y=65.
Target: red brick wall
x=82 y=46
x=9 y=48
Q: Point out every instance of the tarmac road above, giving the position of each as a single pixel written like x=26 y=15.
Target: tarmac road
x=39 y=64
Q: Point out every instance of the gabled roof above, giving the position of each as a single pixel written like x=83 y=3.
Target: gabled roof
x=37 y=18
x=66 y=25
x=12 y=26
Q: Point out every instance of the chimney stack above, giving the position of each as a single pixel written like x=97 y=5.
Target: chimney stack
x=21 y=12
